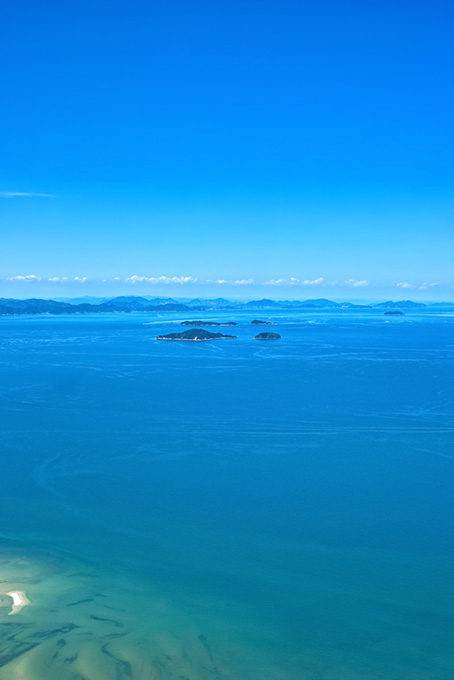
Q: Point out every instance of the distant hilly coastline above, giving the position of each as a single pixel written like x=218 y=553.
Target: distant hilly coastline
x=10 y=306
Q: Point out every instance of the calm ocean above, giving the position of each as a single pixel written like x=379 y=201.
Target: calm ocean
x=228 y=510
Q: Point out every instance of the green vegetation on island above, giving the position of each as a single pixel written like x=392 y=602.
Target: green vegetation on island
x=195 y=335
x=208 y=323
x=267 y=336
x=258 y=322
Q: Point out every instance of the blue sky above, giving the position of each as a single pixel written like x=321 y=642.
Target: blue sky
x=290 y=149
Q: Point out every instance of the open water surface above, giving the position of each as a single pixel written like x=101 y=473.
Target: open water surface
x=228 y=510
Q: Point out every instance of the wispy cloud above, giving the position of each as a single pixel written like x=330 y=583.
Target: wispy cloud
x=226 y=282
x=24 y=194
x=183 y=280
x=275 y=282
x=161 y=279
x=356 y=283
x=293 y=281
x=28 y=277
x=190 y=281
x=314 y=282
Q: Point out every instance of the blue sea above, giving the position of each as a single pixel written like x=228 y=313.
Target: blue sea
x=228 y=510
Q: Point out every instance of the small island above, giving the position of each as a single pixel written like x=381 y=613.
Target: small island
x=257 y=322
x=208 y=323
x=195 y=335
x=267 y=336
x=394 y=313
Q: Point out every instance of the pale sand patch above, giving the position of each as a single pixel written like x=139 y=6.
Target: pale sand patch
x=20 y=600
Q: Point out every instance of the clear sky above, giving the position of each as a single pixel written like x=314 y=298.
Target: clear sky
x=285 y=149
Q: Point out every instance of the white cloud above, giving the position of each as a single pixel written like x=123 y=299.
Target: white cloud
x=315 y=282
x=136 y=279
x=218 y=282
x=81 y=279
x=292 y=281
x=356 y=283
x=12 y=194
x=28 y=277
x=424 y=285
x=161 y=279
x=56 y=279
x=226 y=282
x=404 y=284
x=275 y=282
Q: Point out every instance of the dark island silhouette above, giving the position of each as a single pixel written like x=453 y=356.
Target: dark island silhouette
x=208 y=323
x=267 y=336
x=257 y=322
x=195 y=335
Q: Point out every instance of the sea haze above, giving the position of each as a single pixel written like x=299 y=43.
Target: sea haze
x=231 y=509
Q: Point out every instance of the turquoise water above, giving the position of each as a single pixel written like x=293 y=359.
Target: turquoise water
x=233 y=510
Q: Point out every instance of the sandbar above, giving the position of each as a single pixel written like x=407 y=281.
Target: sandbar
x=19 y=600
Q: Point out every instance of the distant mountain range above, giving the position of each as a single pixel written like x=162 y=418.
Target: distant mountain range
x=131 y=303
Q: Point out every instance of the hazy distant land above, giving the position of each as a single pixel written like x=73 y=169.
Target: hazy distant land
x=10 y=306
